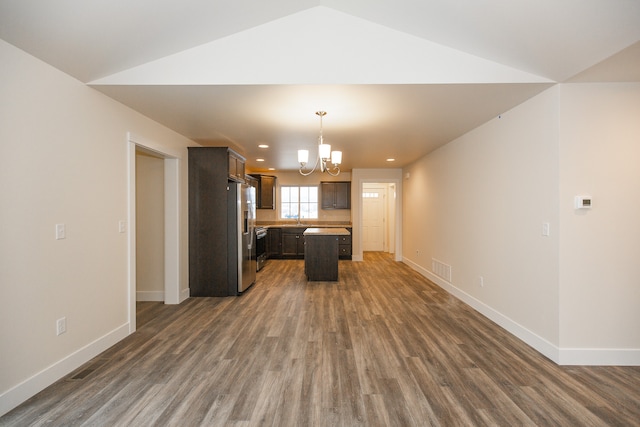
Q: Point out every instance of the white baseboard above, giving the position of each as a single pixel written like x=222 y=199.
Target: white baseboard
x=31 y=386
x=540 y=344
x=600 y=356
x=159 y=295
x=185 y=294
x=150 y=296
x=561 y=356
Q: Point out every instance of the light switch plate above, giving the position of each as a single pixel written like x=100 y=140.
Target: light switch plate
x=61 y=232
x=545 y=228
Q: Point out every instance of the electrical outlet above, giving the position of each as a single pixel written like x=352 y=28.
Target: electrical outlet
x=61 y=326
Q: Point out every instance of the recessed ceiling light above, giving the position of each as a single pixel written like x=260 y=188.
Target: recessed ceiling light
x=263 y=146
x=391 y=160
x=259 y=160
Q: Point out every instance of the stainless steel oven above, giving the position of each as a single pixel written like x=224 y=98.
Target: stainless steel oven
x=261 y=247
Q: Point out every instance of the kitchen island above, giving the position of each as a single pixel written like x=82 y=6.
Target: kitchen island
x=321 y=252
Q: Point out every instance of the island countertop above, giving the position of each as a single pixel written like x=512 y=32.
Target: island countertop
x=326 y=232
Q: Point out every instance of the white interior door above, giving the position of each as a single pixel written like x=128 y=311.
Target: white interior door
x=373 y=218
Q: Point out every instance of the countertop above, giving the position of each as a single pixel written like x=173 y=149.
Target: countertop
x=325 y=231
x=303 y=225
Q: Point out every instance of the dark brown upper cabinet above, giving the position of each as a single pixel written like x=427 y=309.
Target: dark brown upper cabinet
x=236 y=166
x=335 y=195
x=266 y=193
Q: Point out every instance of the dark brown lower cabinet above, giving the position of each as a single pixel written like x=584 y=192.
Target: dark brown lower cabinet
x=293 y=242
x=321 y=258
x=288 y=242
x=274 y=243
x=344 y=247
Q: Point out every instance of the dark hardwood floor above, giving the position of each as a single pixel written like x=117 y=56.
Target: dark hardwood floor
x=381 y=347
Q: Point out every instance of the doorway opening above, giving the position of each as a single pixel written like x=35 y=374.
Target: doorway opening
x=151 y=153
x=149 y=226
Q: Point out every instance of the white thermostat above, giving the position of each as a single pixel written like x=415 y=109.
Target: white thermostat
x=583 y=202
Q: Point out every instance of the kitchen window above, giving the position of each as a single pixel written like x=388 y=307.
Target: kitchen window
x=298 y=202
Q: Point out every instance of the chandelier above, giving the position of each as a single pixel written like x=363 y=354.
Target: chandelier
x=325 y=155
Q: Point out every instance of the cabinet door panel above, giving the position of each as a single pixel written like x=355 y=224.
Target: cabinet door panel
x=240 y=169
x=343 y=195
x=328 y=190
x=290 y=244
x=274 y=243
x=232 y=166
x=235 y=166
x=267 y=192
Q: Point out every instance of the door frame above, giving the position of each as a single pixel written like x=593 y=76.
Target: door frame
x=358 y=178
x=171 y=221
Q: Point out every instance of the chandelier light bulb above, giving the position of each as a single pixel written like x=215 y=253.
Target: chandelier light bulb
x=324 y=151
x=303 y=156
x=336 y=157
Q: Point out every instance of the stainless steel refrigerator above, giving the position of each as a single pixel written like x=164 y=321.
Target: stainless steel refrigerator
x=242 y=236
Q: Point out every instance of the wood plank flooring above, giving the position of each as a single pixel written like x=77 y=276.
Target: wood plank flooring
x=381 y=347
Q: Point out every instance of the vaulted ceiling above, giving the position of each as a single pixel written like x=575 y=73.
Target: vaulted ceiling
x=398 y=78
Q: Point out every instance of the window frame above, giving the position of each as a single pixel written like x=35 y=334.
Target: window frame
x=299 y=203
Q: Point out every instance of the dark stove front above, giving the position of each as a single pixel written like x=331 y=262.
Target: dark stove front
x=261 y=247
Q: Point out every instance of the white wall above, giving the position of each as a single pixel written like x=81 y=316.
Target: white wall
x=63 y=159
x=478 y=204
x=149 y=227
x=600 y=248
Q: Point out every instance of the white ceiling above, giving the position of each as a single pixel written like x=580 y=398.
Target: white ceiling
x=397 y=78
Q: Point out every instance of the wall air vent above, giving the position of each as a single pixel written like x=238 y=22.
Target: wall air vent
x=441 y=269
